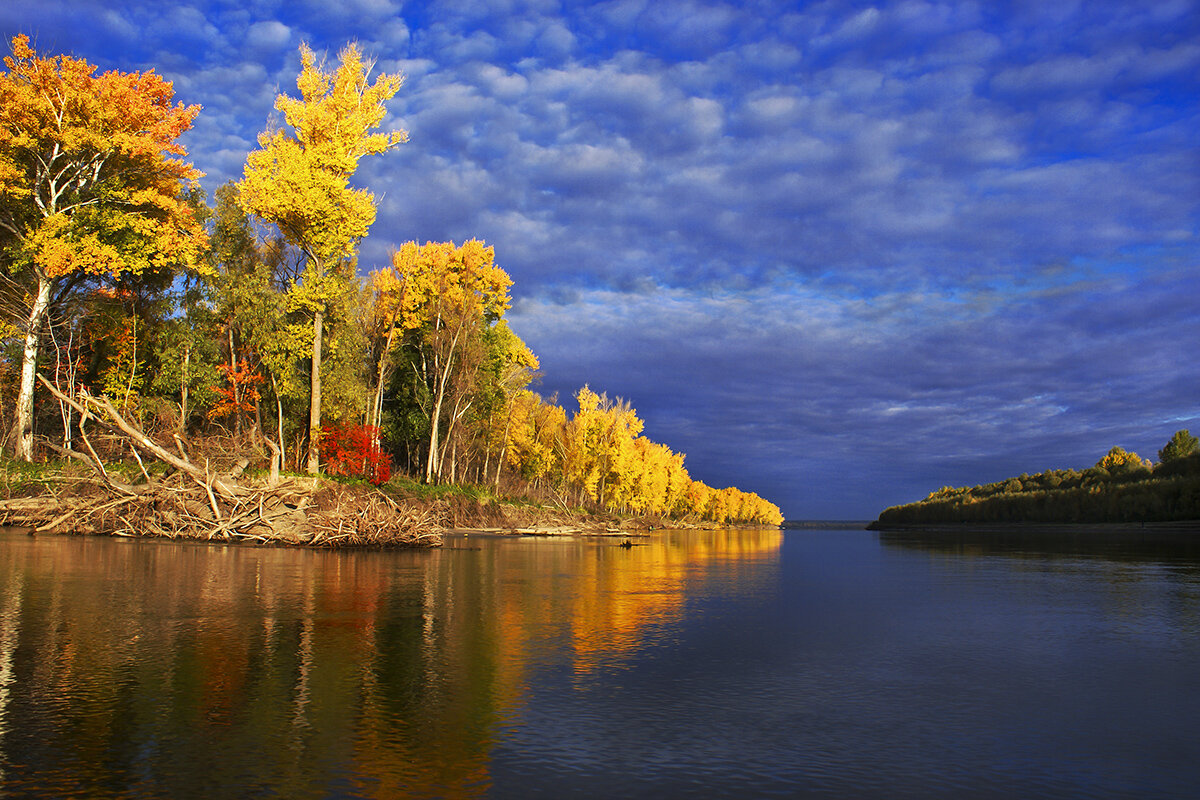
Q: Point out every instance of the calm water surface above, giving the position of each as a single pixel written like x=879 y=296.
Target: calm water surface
x=812 y=663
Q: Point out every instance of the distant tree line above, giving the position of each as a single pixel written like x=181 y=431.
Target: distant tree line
x=1120 y=487
x=251 y=321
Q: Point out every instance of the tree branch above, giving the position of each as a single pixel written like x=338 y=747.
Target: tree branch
x=142 y=441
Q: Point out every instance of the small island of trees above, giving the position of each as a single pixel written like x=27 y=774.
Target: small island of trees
x=1122 y=487
x=245 y=337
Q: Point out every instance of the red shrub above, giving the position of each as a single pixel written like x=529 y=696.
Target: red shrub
x=353 y=450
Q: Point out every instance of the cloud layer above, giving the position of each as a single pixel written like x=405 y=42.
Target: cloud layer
x=840 y=254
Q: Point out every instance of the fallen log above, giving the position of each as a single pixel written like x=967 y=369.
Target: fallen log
x=198 y=502
x=117 y=423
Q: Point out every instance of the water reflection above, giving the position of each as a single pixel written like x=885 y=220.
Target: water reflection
x=1129 y=545
x=1145 y=585
x=162 y=669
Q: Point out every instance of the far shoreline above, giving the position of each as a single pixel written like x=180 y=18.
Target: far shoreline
x=1180 y=527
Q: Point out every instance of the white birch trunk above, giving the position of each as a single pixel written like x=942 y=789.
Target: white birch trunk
x=314 y=408
x=23 y=427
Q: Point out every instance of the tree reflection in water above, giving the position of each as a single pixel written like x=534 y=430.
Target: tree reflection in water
x=153 y=668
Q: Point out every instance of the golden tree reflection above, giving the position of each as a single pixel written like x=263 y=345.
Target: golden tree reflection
x=158 y=667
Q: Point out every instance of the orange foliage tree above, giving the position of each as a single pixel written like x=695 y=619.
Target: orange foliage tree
x=240 y=398
x=91 y=182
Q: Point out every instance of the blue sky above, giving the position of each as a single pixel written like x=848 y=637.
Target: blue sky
x=839 y=253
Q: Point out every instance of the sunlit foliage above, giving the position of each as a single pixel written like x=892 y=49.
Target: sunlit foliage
x=451 y=299
x=1118 y=460
x=92 y=182
x=353 y=450
x=1121 y=487
x=300 y=181
x=1181 y=445
x=598 y=457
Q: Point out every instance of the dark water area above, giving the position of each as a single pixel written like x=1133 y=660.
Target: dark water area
x=799 y=663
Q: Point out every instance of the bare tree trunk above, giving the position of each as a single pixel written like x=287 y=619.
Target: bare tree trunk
x=237 y=401
x=183 y=388
x=64 y=364
x=443 y=370
x=23 y=427
x=375 y=417
x=503 y=444
x=257 y=432
x=314 y=408
x=132 y=369
x=279 y=412
x=432 y=466
x=276 y=460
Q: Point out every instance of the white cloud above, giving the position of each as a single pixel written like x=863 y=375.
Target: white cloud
x=501 y=83
x=118 y=24
x=268 y=34
x=858 y=25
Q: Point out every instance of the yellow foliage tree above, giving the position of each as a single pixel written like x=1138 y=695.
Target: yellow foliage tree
x=449 y=295
x=600 y=456
x=597 y=445
x=300 y=181
x=511 y=367
x=535 y=436
x=91 y=182
x=1120 y=460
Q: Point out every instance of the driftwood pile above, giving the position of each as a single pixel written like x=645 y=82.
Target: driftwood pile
x=197 y=502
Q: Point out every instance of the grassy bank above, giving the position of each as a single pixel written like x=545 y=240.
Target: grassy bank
x=1168 y=492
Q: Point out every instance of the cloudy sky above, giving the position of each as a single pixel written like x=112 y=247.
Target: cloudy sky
x=839 y=253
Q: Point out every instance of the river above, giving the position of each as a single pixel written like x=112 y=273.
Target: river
x=805 y=663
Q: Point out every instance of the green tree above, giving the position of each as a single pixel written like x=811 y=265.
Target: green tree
x=1181 y=445
x=249 y=300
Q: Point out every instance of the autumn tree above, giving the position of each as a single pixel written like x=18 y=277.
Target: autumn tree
x=695 y=500
x=451 y=296
x=535 y=437
x=300 y=181
x=599 y=457
x=1119 y=460
x=509 y=367
x=92 y=182
x=598 y=446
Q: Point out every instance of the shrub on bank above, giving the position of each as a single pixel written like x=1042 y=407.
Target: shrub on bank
x=1120 y=488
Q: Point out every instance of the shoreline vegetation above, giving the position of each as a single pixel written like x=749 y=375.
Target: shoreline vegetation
x=1121 y=490
x=162 y=494
x=233 y=372
x=62 y=498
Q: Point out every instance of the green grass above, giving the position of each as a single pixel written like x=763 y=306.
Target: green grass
x=405 y=487
x=16 y=475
